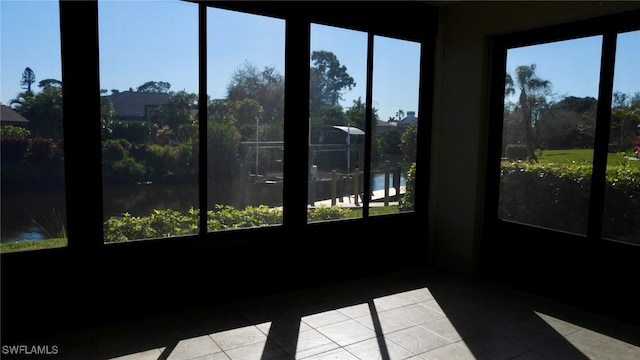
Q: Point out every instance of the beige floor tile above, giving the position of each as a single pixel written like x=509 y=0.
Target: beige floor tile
x=307 y=343
x=417 y=339
x=324 y=318
x=264 y=350
x=152 y=354
x=347 y=332
x=337 y=354
x=386 y=322
x=369 y=319
x=356 y=311
x=453 y=331
x=391 y=302
x=230 y=339
x=448 y=352
x=378 y=349
x=194 y=347
x=597 y=346
x=417 y=295
x=417 y=314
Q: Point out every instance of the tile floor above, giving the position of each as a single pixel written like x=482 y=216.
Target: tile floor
x=412 y=315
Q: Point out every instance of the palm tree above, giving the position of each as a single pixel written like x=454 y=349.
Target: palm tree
x=509 y=88
x=531 y=87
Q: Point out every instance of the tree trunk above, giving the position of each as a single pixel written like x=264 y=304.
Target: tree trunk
x=528 y=130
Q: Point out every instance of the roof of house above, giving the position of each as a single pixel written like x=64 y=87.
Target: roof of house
x=133 y=104
x=408 y=120
x=382 y=123
x=7 y=114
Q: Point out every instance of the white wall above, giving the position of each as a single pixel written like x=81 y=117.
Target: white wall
x=460 y=118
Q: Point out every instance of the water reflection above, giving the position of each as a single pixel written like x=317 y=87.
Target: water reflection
x=23 y=213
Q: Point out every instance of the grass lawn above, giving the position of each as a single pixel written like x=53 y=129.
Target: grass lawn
x=583 y=156
x=32 y=245
x=375 y=210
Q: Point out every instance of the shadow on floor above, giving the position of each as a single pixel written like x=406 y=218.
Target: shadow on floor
x=404 y=315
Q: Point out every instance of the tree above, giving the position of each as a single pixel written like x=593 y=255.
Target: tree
x=22 y=102
x=28 y=78
x=397 y=117
x=44 y=111
x=154 y=87
x=176 y=118
x=568 y=123
x=328 y=80
x=409 y=143
x=50 y=83
x=266 y=88
x=625 y=118
x=355 y=115
x=509 y=86
x=106 y=115
x=249 y=114
x=530 y=87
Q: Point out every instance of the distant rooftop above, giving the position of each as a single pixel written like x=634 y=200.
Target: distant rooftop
x=8 y=115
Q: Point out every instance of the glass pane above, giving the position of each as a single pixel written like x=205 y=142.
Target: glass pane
x=245 y=132
x=622 y=186
x=149 y=84
x=396 y=79
x=338 y=63
x=33 y=205
x=548 y=133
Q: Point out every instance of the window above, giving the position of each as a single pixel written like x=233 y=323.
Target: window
x=337 y=122
x=152 y=170
x=245 y=119
x=350 y=143
x=149 y=102
x=192 y=111
x=622 y=192
x=551 y=96
x=396 y=80
x=568 y=130
x=33 y=180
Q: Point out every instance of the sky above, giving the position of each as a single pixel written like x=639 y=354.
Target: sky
x=573 y=66
x=156 y=40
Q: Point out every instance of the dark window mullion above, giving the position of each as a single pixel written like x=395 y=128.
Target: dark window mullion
x=425 y=109
x=296 y=121
x=202 y=118
x=82 y=139
x=366 y=190
x=601 y=143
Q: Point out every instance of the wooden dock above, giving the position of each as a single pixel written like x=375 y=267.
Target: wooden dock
x=350 y=201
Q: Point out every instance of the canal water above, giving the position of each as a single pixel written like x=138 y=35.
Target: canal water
x=31 y=215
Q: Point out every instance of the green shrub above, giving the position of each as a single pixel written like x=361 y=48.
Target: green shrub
x=12 y=131
x=115 y=150
x=407 y=199
x=515 y=152
x=557 y=196
x=166 y=223
x=325 y=213
x=226 y=217
x=160 y=223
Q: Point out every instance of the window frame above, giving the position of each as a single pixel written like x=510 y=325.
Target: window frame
x=588 y=270
x=83 y=170
x=498 y=235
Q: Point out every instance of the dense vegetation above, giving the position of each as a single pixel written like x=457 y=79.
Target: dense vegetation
x=165 y=223
x=554 y=192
